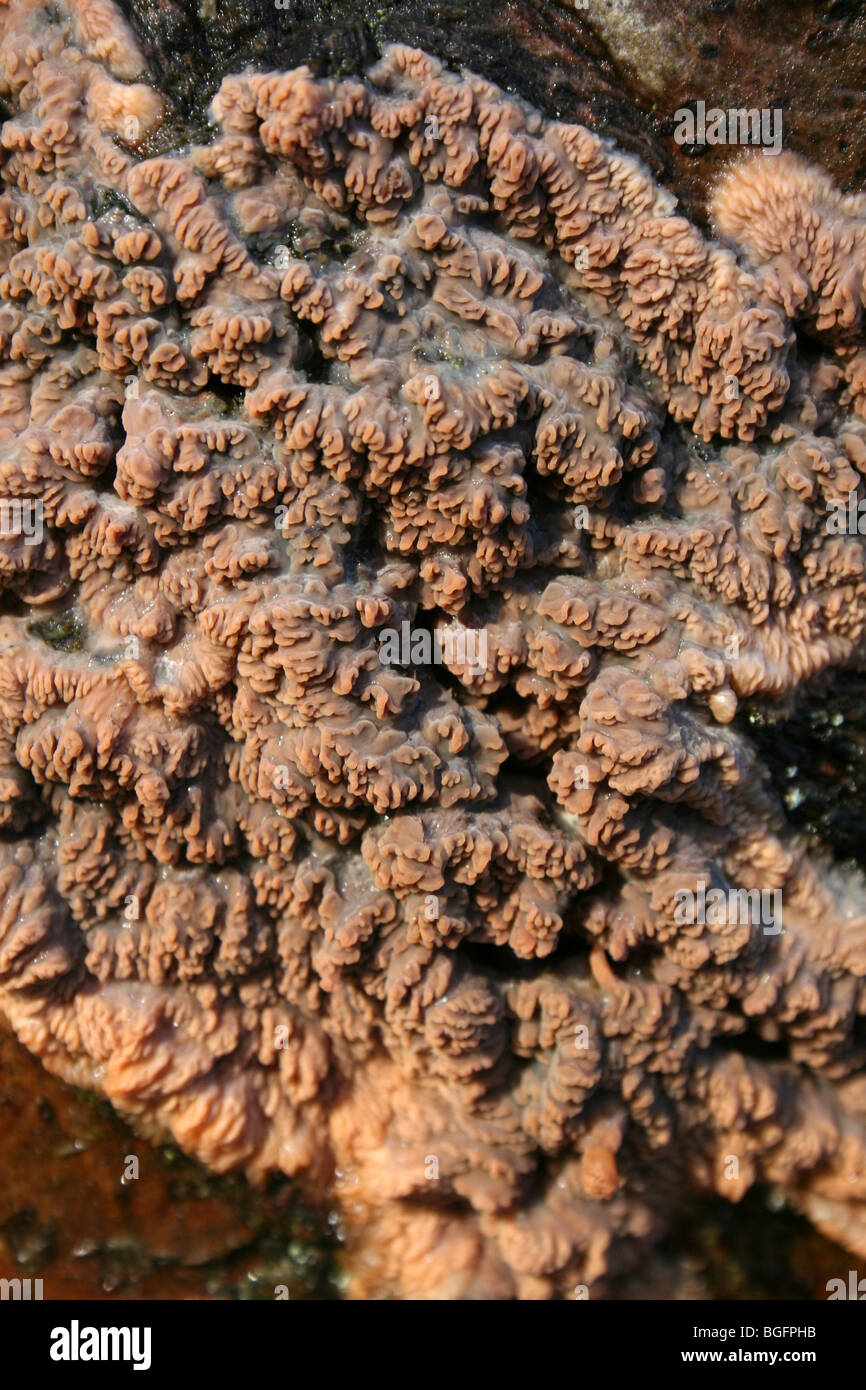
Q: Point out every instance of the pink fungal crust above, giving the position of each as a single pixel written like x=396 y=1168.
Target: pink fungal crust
x=395 y=353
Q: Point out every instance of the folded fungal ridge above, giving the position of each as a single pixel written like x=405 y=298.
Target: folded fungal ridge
x=398 y=498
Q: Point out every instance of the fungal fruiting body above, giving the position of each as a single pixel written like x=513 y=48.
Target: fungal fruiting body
x=394 y=357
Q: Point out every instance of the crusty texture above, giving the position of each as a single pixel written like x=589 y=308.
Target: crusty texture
x=397 y=351
x=807 y=242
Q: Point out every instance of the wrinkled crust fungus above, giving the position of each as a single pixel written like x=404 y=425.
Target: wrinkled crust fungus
x=396 y=355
